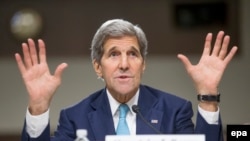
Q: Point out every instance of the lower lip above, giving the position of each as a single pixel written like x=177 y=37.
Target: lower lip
x=124 y=79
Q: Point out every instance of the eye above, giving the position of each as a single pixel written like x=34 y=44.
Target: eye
x=132 y=53
x=113 y=54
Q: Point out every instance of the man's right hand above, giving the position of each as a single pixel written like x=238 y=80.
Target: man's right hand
x=40 y=84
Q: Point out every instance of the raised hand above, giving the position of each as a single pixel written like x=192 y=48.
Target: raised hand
x=40 y=83
x=207 y=74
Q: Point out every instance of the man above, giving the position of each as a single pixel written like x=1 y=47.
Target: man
x=118 y=54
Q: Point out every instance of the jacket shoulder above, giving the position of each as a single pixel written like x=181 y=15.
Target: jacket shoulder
x=85 y=103
x=163 y=94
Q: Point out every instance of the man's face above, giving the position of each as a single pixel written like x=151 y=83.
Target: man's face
x=121 y=67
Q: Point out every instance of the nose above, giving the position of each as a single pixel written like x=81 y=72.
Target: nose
x=124 y=63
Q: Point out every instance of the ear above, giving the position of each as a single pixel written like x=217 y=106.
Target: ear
x=144 y=66
x=98 y=68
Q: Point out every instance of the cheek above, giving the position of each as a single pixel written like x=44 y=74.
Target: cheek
x=108 y=70
x=139 y=72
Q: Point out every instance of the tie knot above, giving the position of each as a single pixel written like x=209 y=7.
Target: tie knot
x=123 y=110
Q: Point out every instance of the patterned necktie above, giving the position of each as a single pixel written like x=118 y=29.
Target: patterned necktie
x=122 y=128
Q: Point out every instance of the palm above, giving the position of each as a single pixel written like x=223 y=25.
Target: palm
x=207 y=74
x=39 y=81
x=40 y=84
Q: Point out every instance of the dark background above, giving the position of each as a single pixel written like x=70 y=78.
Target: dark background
x=68 y=26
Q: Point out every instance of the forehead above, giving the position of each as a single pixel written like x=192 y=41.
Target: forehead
x=124 y=42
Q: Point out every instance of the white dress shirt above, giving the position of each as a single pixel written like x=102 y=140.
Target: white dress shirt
x=35 y=125
x=131 y=116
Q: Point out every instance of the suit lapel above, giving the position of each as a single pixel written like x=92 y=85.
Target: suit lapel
x=147 y=103
x=101 y=119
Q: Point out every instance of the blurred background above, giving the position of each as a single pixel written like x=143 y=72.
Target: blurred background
x=171 y=26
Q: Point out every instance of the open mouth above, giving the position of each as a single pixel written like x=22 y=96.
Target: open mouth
x=123 y=77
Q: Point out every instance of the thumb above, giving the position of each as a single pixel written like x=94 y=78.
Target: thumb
x=184 y=60
x=59 y=70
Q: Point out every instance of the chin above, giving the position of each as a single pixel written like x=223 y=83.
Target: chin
x=128 y=90
x=123 y=89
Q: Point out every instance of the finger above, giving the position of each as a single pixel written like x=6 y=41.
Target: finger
x=20 y=64
x=185 y=61
x=33 y=51
x=42 y=50
x=26 y=55
x=224 y=47
x=217 y=45
x=59 y=70
x=231 y=54
x=207 y=45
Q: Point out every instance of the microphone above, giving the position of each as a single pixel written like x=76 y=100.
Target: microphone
x=136 y=109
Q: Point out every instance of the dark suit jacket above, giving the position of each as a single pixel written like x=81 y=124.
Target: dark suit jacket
x=171 y=115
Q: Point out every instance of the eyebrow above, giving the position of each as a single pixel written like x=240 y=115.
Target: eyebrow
x=136 y=50
x=131 y=48
x=113 y=48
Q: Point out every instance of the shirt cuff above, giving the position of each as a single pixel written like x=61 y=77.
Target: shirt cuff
x=210 y=117
x=35 y=125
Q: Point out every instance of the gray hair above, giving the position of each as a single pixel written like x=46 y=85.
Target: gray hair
x=117 y=28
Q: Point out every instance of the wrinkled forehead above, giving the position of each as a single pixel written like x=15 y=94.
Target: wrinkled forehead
x=121 y=43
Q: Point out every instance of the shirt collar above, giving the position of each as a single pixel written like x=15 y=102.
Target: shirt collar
x=115 y=104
